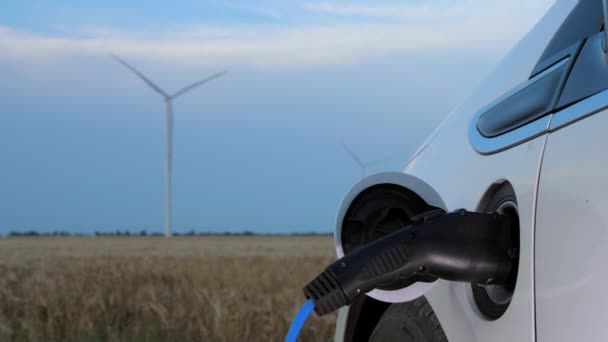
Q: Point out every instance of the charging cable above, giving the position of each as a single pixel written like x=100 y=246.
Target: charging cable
x=298 y=322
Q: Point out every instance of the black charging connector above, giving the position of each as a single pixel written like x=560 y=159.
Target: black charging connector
x=458 y=246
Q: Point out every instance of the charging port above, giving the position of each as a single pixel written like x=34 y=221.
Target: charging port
x=492 y=300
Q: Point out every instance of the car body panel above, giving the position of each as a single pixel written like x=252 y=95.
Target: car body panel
x=461 y=176
x=572 y=232
x=472 y=175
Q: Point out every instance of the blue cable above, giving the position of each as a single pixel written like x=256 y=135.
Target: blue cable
x=298 y=322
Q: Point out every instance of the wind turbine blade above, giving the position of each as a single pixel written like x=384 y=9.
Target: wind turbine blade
x=378 y=161
x=140 y=75
x=199 y=83
x=353 y=156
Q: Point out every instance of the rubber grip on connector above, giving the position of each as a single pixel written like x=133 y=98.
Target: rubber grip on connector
x=326 y=292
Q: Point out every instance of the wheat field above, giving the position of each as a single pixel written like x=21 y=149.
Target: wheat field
x=158 y=289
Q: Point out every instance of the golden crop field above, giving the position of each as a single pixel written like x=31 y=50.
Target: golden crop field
x=158 y=289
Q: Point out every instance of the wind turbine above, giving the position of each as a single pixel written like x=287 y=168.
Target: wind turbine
x=169 y=128
x=363 y=165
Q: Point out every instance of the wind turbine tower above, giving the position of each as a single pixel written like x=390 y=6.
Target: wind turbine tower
x=168 y=128
x=363 y=165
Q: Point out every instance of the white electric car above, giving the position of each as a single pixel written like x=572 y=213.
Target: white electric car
x=529 y=143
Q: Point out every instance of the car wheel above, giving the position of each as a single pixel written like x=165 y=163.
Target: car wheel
x=413 y=321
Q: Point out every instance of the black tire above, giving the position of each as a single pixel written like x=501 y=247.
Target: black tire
x=413 y=321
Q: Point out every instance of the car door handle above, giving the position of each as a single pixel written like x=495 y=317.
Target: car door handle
x=528 y=102
x=521 y=114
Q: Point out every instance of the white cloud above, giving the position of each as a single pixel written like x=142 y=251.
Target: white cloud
x=474 y=25
x=420 y=11
x=435 y=10
x=264 y=11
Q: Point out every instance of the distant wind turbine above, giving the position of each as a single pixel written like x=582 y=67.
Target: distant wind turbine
x=169 y=128
x=363 y=165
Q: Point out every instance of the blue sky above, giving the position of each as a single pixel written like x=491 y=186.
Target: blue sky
x=81 y=139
